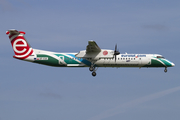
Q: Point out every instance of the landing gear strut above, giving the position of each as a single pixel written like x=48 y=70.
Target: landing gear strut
x=165 y=70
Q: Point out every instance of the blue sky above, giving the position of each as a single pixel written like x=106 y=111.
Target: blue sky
x=32 y=91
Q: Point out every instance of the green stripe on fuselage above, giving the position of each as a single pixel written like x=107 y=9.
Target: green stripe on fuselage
x=155 y=63
x=51 y=61
x=68 y=60
x=166 y=63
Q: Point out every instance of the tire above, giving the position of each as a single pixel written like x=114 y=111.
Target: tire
x=94 y=74
x=91 y=69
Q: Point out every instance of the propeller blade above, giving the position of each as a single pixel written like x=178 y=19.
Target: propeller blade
x=116 y=52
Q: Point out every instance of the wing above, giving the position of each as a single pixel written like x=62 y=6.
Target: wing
x=92 y=47
x=94 y=52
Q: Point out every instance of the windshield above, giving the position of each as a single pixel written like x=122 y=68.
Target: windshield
x=160 y=57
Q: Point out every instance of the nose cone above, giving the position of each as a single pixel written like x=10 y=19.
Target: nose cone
x=173 y=64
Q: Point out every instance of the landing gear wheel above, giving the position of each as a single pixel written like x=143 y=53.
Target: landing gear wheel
x=165 y=70
x=94 y=74
x=91 y=68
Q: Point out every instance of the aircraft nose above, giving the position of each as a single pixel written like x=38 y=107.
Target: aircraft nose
x=173 y=64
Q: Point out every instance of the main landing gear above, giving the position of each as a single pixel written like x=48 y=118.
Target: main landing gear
x=165 y=70
x=93 y=70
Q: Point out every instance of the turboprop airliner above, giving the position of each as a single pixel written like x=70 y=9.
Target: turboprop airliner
x=93 y=57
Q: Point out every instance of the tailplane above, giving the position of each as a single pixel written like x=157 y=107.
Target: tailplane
x=21 y=47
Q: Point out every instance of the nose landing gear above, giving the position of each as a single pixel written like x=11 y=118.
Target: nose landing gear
x=165 y=70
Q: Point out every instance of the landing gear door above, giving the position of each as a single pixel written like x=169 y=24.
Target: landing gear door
x=61 y=60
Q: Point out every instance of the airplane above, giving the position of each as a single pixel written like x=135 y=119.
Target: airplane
x=93 y=57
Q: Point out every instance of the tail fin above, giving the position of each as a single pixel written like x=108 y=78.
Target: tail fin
x=20 y=46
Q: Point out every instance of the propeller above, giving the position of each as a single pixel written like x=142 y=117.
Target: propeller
x=116 y=52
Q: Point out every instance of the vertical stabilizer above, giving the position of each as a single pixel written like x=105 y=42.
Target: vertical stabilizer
x=20 y=45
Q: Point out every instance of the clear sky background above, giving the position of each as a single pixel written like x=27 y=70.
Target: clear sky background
x=31 y=91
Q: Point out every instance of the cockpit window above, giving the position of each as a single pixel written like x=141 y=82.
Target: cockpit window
x=160 y=57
